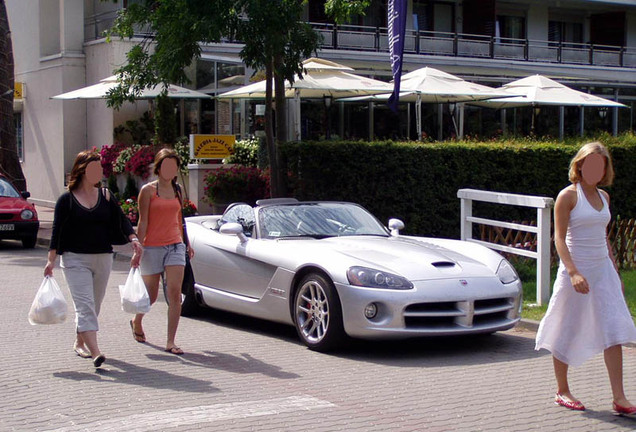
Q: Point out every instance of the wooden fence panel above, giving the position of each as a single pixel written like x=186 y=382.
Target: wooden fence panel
x=621 y=233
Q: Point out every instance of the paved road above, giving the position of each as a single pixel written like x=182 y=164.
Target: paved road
x=242 y=374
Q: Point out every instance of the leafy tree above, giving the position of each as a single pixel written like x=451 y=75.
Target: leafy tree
x=9 y=160
x=274 y=35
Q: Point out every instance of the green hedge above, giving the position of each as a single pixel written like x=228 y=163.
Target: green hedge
x=418 y=183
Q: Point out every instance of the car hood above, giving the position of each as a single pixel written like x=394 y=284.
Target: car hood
x=413 y=259
x=10 y=203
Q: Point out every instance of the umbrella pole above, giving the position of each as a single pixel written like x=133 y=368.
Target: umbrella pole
x=581 y=120
x=561 y=122
x=418 y=116
x=371 y=120
x=298 y=113
x=440 y=119
x=461 y=120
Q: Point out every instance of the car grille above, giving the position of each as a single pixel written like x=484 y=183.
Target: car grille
x=6 y=216
x=460 y=314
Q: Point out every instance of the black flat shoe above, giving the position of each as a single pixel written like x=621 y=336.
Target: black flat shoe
x=99 y=360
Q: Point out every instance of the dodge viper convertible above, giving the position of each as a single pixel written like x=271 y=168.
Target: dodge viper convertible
x=331 y=269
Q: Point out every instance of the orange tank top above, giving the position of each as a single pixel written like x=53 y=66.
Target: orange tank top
x=164 y=222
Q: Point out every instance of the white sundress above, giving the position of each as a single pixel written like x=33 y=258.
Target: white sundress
x=578 y=326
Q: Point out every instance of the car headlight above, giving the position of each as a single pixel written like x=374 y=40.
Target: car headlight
x=372 y=278
x=26 y=214
x=506 y=273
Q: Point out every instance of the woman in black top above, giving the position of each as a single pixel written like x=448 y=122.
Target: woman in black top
x=85 y=218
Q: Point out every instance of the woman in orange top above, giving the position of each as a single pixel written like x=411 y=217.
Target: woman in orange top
x=161 y=233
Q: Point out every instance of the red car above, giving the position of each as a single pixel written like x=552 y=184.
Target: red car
x=18 y=218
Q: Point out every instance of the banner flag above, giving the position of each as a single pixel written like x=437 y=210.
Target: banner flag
x=396 y=18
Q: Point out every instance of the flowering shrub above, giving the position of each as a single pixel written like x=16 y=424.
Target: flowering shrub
x=139 y=163
x=119 y=167
x=182 y=147
x=130 y=207
x=189 y=209
x=238 y=183
x=109 y=155
x=245 y=152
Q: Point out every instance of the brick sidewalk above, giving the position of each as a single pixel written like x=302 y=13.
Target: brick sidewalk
x=242 y=374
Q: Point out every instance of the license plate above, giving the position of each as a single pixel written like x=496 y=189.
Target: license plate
x=7 y=227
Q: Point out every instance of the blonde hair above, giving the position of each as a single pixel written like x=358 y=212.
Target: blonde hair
x=577 y=162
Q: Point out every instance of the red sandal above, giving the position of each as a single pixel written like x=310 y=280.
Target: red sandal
x=569 y=404
x=624 y=411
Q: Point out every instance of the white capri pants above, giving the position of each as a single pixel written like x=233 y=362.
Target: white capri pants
x=87 y=278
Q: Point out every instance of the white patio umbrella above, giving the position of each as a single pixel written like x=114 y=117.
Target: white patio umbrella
x=322 y=78
x=101 y=89
x=430 y=85
x=540 y=90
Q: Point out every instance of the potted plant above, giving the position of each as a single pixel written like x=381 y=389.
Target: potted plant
x=130 y=207
x=239 y=183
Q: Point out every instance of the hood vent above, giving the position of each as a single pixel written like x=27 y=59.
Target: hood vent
x=443 y=264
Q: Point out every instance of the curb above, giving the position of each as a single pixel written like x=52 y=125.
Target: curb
x=530 y=325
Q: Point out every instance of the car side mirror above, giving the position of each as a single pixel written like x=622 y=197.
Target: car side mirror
x=232 y=228
x=395 y=225
x=25 y=194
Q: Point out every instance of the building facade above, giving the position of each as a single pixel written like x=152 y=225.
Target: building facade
x=590 y=45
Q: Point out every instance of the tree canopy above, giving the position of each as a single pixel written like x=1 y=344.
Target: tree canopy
x=275 y=39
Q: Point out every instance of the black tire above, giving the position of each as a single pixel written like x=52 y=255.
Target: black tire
x=29 y=242
x=189 y=305
x=318 y=314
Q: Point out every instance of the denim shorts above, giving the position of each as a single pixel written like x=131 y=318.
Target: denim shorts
x=155 y=258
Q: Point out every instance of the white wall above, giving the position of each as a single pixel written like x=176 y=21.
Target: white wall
x=538 y=22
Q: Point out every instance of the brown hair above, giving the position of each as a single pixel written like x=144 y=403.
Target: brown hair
x=79 y=168
x=165 y=153
x=588 y=149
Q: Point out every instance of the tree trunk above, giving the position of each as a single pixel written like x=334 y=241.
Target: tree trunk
x=281 y=124
x=9 y=160
x=269 y=133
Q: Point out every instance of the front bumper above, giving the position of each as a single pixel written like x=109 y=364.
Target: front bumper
x=18 y=230
x=432 y=308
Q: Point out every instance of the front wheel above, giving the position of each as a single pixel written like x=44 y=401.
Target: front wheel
x=29 y=242
x=317 y=313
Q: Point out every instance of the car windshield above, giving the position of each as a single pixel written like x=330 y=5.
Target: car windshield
x=318 y=220
x=6 y=190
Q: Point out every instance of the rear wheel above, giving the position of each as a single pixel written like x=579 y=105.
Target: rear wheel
x=317 y=313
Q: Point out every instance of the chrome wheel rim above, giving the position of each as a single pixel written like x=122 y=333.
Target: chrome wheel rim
x=312 y=311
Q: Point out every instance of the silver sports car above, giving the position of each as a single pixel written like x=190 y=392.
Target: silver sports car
x=332 y=269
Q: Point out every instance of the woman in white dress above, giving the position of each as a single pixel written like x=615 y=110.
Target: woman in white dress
x=587 y=313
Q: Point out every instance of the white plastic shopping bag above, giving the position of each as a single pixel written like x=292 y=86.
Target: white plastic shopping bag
x=49 y=305
x=134 y=297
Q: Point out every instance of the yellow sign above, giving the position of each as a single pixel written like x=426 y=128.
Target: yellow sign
x=18 y=90
x=211 y=146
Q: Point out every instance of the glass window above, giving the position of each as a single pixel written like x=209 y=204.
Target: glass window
x=241 y=214
x=17 y=119
x=560 y=31
x=6 y=190
x=511 y=29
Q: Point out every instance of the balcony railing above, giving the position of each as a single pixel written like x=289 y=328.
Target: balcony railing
x=363 y=38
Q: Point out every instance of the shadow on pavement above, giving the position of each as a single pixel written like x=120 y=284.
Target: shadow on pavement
x=132 y=374
x=245 y=323
x=16 y=254
x=243 y=364
x=415 y=352
x=611 y=418
x=443 y=351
